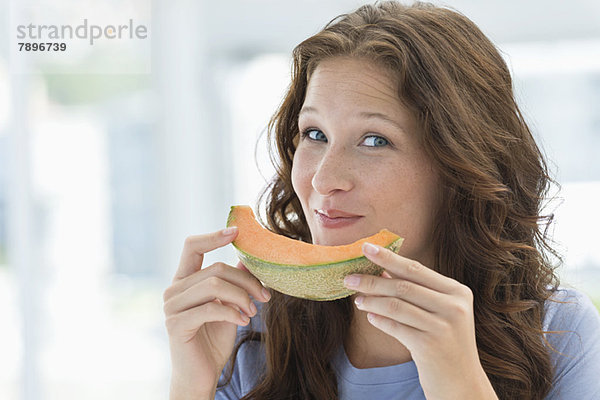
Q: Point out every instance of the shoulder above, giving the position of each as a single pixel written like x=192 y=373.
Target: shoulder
x=572 y=328
x=570 y=309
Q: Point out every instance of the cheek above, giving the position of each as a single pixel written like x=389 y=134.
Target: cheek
x=412 y=198
x=301 y=174
x=426 y=204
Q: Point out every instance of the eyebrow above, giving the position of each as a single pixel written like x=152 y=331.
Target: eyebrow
x=363 y=114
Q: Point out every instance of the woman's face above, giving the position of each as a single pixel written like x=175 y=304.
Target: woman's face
x=358 y=167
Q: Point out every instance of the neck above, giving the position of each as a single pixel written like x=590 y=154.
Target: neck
x=368 y=347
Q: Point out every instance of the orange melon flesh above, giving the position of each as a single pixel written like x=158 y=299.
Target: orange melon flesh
x=302 y=269
x=278 y=249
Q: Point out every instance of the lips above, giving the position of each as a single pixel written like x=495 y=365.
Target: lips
x=331 y=213
x=335 y=218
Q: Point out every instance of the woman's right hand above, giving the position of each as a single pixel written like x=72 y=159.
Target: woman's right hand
x=203 y=308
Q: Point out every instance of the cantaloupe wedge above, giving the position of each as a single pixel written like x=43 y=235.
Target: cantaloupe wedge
x=298 y=268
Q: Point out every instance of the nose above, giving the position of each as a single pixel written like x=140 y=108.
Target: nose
x=333 y=173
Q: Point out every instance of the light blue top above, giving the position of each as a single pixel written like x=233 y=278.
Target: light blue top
x=577 y=372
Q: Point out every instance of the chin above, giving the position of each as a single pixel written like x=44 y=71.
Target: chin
x=338 y=238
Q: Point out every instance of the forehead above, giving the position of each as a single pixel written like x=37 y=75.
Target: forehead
x=349 y=89
x=359 y=79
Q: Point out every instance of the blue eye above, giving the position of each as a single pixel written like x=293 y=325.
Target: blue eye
x=314 y=134
x=377 y=141
x=371 y=141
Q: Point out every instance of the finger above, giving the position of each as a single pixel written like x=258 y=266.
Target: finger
x=407 y=335
x=405 y=268
x=196 y=246
x=235 y=276
x=397 y=310
x=232 y=305
x=187 y=323
x=208 y=290
x=418 y=295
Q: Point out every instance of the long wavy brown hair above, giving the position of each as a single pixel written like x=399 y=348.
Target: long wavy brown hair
x=495 y=181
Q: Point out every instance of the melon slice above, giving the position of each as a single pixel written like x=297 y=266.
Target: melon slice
x=298 y=268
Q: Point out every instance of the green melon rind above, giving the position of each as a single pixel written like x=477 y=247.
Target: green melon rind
x=322 y=282
x=231 y=216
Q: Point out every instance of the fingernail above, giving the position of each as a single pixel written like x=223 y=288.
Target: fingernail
x=351 y=281
x=266 y=294
x=253 y=308
x=358 y=301
x=371 y=249
x=244 y=317
x=385 y=274
x=229 y=231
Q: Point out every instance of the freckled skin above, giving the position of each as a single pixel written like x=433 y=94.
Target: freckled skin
x=392 y=185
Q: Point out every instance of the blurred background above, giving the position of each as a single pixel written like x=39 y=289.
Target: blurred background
x=104 y=174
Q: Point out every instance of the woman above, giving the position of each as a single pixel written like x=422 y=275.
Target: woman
x=401 y=118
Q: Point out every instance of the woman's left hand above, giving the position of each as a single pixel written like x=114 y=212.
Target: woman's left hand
x=430 y=314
